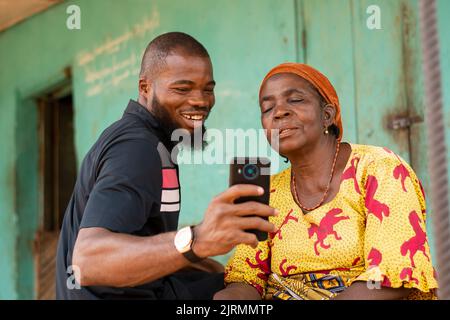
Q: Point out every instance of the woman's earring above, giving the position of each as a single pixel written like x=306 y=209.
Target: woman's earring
x=326 y=131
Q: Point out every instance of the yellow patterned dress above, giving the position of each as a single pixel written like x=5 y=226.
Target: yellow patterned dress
x=372 y=231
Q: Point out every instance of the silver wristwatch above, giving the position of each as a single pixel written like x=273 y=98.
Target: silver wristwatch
x=184 y=240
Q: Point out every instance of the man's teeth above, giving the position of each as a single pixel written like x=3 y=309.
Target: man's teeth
x=193 y=117
x=284 y=130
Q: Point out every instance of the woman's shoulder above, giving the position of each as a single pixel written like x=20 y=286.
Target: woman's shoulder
x=377 y=154
x=376 y=159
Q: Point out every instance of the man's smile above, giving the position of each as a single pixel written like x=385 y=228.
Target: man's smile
x=194 y=119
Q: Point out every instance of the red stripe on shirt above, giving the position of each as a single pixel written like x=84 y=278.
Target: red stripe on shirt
x=170 y=179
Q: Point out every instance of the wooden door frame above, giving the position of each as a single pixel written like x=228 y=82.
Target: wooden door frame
x=28 y=198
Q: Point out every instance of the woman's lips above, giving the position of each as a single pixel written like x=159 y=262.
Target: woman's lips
x=283 y=133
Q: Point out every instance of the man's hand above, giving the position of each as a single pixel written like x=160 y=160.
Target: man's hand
x=225 y=222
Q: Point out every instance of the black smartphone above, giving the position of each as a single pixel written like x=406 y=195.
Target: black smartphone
x=252 y=170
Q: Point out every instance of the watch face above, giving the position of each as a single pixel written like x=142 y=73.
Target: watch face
x=183 y=239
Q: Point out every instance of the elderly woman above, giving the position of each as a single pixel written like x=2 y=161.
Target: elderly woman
x=352 y=217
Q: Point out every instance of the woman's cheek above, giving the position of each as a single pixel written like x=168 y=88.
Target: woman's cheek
x=264 y=122
x=269 y=132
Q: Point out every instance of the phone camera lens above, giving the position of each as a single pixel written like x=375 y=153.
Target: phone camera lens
x=251 y=171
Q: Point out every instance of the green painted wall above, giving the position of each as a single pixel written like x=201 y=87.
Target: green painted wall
x=244 y=38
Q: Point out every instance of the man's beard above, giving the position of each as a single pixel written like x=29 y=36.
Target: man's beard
x=168 y=125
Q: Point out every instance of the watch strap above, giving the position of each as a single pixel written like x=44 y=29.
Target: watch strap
x=190 y=255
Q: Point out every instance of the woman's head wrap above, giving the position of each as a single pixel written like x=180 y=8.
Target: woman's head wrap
x=318 y=80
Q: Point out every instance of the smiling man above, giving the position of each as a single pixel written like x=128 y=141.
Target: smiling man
x=119 y=235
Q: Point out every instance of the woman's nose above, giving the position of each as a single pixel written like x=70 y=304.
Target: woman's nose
x=281 y=112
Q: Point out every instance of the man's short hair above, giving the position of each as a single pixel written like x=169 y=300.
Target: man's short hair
x=159 y=48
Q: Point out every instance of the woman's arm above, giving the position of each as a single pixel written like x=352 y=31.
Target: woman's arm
x=238 y=291
x=359 y=291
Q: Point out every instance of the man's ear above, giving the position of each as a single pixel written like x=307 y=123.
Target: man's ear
x=145 y=89
x=329 y=112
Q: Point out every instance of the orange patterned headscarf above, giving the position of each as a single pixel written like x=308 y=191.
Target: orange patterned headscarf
x=318 y=80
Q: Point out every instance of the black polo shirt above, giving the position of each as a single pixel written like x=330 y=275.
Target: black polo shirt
x=127 y=184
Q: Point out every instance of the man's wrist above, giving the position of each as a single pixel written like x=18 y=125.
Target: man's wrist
x=196 y=246
x=184 y=243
